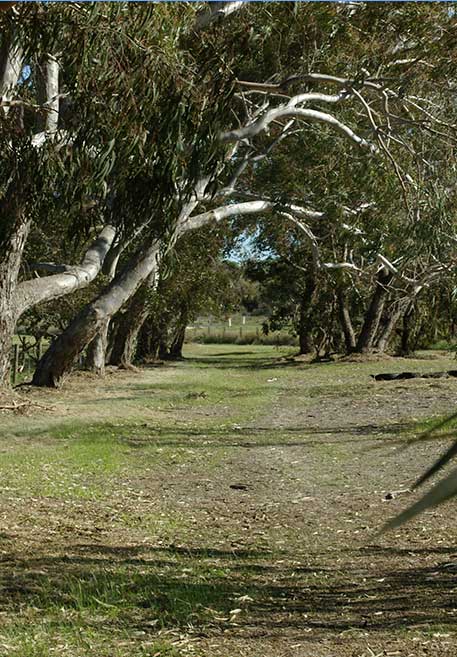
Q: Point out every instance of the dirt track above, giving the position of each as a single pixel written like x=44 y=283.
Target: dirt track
x=268 y=515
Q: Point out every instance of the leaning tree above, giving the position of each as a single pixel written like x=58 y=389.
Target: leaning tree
x=327 y=85
x=66 y=114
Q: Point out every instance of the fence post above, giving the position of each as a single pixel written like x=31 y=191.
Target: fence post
x=15 y=362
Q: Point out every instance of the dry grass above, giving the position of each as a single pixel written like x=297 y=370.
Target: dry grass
x=226 y=506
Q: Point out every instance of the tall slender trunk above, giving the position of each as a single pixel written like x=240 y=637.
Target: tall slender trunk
x=305 y=323
x=148 y=344
x=175 y=351
x=405 y=344
x=129 y=325
x=58 y=361
x=387 y=326
x=14 y=230
x=96 y=351
x=373 y=315
x=344 y=317
x=128 y=328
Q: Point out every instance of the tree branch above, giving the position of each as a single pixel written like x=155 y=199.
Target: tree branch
x=48 y=95
x=288 y=110
x=215 y=12
x=34 y=291
x=11 y=59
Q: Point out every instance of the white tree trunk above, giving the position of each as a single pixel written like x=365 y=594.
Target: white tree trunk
x=58 y=361
x=36 y=290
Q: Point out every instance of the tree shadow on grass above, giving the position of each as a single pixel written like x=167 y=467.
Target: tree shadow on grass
x=145 y=585
x=150 y=435
x=242 y=364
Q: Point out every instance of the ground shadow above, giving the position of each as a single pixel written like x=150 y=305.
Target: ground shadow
x=179 y=585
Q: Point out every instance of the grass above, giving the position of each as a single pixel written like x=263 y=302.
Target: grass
x=170 y=512
x=218 y=331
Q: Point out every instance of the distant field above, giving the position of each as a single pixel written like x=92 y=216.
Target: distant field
x=242 y=329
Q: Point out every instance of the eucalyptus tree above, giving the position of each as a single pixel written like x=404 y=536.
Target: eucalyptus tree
x=314 y=79
x=193 y=279
x=163 y=180
x=68 y=79
x=372 y=222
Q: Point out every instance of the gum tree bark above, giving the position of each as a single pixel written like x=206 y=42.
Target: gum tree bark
x=365 y=342
x=14 y=223
x=58 y=361
x=14 y=230
x=16 y=298
x=406 y=333
x=15 y=220
x=388 y=325
x=176 y=346
x=150 y=338
x=96 y=351
x=129 y=325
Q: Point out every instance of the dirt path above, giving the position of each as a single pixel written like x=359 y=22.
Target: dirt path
x=246 y=515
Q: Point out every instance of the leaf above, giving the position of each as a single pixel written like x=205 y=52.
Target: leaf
x=440 y=493
x=440 y=463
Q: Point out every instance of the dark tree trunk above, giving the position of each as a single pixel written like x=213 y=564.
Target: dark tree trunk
x=177 y=344
x=305 y=342
x=406 y=332
x=305 y=322
x=149 y=340
x=365 y=342
x=111 y=338
x=96 y=351
x=129 y=325
x=125 y=342
x=387 y=325
x=145 y=349
x=163 y=350
x=345 y=321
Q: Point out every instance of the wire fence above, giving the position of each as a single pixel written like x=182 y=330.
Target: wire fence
x=238 y=329
x=25 y=355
